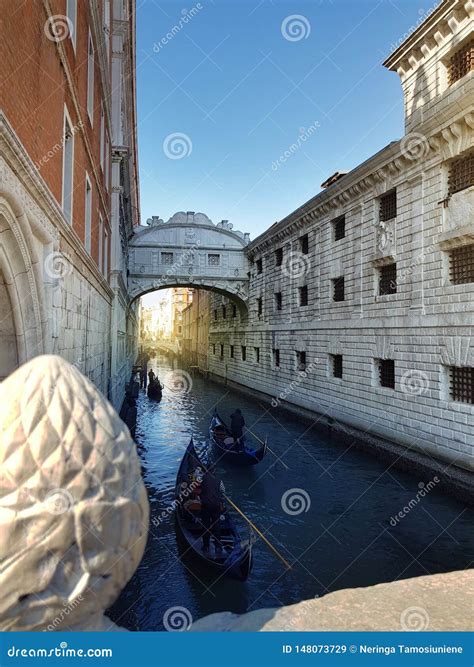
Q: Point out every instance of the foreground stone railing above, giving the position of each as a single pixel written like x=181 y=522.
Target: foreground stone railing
x=73 y=506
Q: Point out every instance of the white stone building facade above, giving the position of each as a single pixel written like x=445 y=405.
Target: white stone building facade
x=361 y=302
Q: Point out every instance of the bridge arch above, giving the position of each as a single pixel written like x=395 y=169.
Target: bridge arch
x=189 y=251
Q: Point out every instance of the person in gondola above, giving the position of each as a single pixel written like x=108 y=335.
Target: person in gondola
x=212 y=505
x=237 y=423
x=151 y=376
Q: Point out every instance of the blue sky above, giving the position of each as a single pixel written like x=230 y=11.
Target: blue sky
x=241 y=87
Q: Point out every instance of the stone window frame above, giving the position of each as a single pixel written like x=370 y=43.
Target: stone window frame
x=335 y=229
x=214 y=255
x=388 y=193
x=278 y=302
x=167 y=253
x=68 y=135
x=331 y=367
x=303 y=296
x=259 y=266
x=279 y=256
x=380 y=269
x=232 y=351
x=333 y=289
x=276 y=355
x=71 y=14
x=301 y=360
x=447 y=61
x=257 y=354
x=88 y=211
x=90 y=77
x=303 y=244
x=259 y=301
x=222 y=351
x=243 y=352
x=376 y=375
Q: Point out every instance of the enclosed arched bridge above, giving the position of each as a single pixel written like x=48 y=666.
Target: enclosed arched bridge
x=189 y=251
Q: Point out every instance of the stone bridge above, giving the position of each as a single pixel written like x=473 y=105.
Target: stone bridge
x=189 y=251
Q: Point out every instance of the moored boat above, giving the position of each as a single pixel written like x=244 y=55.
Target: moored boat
x=235 y=558
x=246 y=454
x=155 y=391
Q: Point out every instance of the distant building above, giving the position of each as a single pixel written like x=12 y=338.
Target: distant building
x=181 y=298
x=68 y=186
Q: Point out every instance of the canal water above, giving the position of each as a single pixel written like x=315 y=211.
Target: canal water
x=326 y=506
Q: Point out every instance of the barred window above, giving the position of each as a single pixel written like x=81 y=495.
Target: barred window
x=386 y=368
x=339 y=227
x=244 y=353
x=337 y=365
x=461 y=63
x=278 y=301
x=259 y=306
x=304 y=244
x=461 y=265
x=388 y=206
x=259 y=265
x=167 y=258
x=388 y=279
x=278 y=256
x=257 y=355
x=213 y=259
x=303 y=295
x=461 y=173
x=338 y=292
x=276 y=358
x=461 y=384
x=301 y=360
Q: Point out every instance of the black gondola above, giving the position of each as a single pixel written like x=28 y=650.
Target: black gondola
x=221 y=436
x=155 y=391
x=235 y=559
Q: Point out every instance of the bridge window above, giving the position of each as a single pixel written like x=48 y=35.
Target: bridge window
x=213 y=259
x=167 y=258
x=244 y=353
x=259 y=265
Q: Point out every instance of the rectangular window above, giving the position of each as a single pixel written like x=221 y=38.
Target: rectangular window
x=276 y=358
x=461 y=173
x=107 y=161
x=215 y=314
x=278 y=256
x=167 y=258
x=102 y=137
x=213 y=259
x=259 y=306
x=303 y=295
x=88 y=216
x=337 y=365
x=106 y=21
x=232 y=352
x=90 y=79
x=278 y=301
x=68 y=166
x=71 y=13
x=106 y=254
x=301 y=361
x=461 y=265
x=339 y=228
x=224 y=313
x=461 y=63
x=222 y=351
x=304 y=244
x=259 y=265
x=461 y=384
x=388 y=279
x=338 y=292
x=101 y=244
x=244 y=353
x=257 y=355
x=234 y=310
x=388 y=206
x=386 y=370
x=213 y=348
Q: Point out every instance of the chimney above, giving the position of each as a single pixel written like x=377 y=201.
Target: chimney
x=332 y=179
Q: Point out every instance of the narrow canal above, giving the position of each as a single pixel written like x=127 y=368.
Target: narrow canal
x=344 y=538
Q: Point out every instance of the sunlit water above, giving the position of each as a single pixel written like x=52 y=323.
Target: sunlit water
x=343 y=539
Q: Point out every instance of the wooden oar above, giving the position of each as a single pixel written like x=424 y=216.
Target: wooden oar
x=265 y=443
x=275 y=551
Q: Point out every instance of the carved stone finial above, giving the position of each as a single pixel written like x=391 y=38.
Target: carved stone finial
x=73 y=506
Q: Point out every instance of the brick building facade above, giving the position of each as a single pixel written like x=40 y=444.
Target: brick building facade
x=361 y=302
x=68 y=185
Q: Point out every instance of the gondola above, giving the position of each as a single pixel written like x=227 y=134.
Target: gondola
x=155 y=391
x=221 y=436
x=235 y=559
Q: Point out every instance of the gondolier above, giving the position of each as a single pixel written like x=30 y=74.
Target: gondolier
x=212 y=505
x=237 y=423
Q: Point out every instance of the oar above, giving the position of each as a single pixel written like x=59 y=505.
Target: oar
x=265 y=443
x=275 y=551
